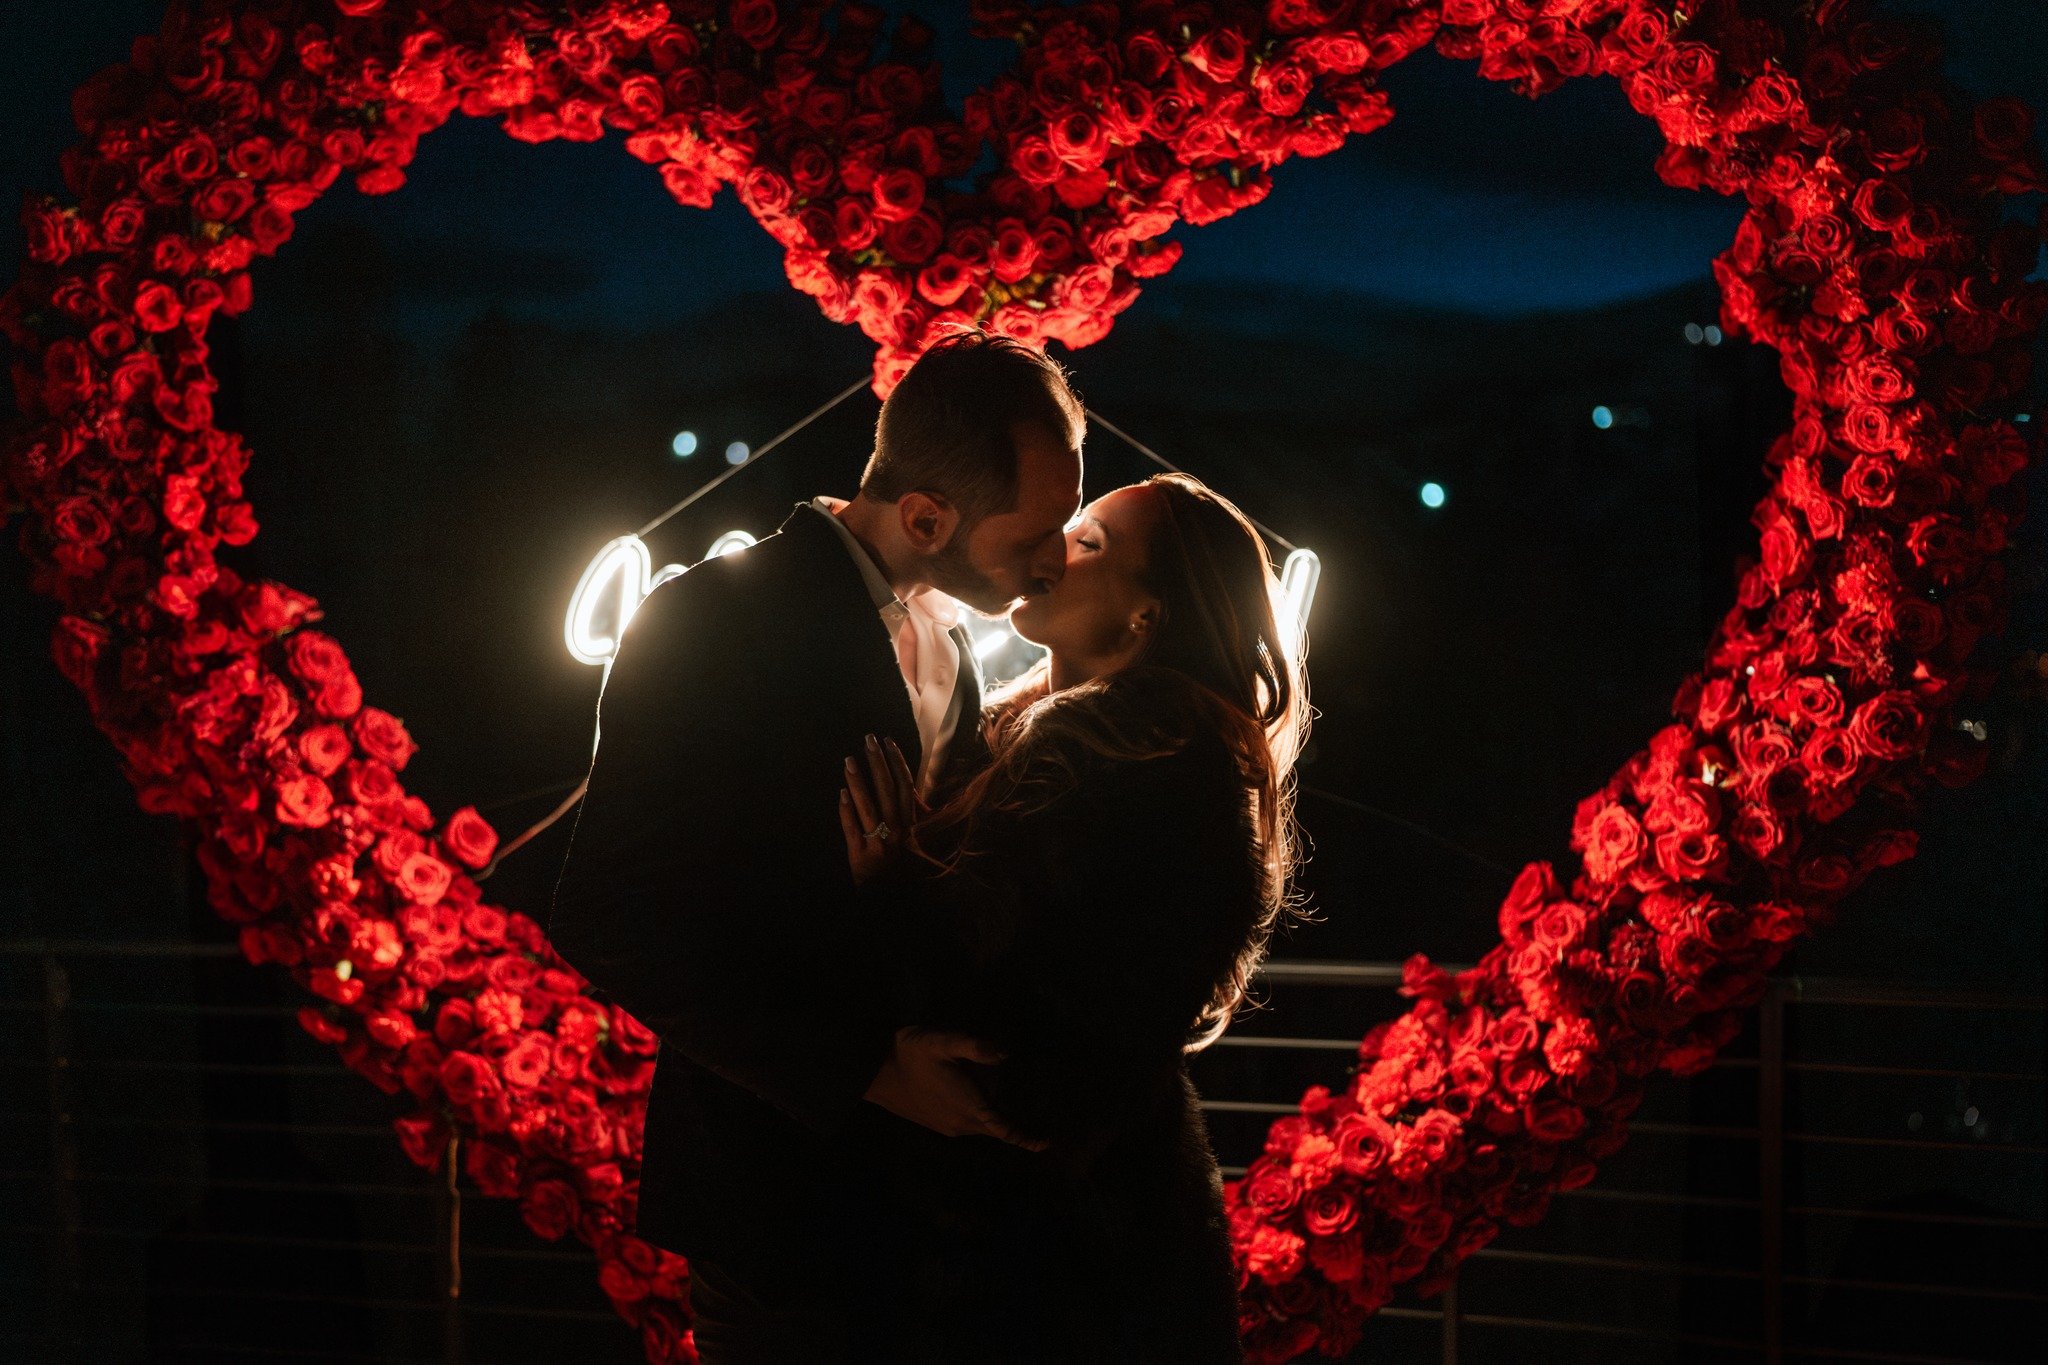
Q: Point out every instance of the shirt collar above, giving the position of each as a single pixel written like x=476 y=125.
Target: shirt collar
x=926 y=601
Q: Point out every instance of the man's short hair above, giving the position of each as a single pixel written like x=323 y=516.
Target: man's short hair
x=948 y=427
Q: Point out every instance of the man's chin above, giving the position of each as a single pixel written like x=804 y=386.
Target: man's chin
x=992 y=611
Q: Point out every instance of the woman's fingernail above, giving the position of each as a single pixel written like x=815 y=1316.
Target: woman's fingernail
x=872 y=744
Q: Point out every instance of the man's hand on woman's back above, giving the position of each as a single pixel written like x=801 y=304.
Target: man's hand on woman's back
x=923 y=1080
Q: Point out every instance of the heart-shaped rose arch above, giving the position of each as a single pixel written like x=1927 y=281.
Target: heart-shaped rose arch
x=1873 y=257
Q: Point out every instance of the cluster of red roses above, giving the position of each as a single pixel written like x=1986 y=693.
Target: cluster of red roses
x=1872 y=258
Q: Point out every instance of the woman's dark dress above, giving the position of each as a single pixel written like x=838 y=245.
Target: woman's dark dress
x=1082 y=938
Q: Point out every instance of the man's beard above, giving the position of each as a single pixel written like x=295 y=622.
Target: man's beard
x=953 y=575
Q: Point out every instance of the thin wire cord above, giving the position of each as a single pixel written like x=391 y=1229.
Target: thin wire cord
x=1149 y=453
x=570 y=801
x=1476 y=859
x=755 y=457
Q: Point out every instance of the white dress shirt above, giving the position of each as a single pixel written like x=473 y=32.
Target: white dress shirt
x=928 y=652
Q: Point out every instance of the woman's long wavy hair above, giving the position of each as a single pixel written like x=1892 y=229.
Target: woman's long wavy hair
x=1219 y=628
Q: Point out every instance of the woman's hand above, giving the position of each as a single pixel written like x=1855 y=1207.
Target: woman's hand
x=878 y=809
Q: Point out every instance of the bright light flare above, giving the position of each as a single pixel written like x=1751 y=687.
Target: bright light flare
x=623 y=573
x=622 y=570
x=1299 y=577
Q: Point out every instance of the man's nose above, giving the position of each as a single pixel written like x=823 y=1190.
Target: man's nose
x=1052 y=563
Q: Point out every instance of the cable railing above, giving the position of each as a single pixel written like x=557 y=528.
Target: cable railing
x=1706 y=1238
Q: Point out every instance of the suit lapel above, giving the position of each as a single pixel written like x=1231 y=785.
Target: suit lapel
x=854 y=651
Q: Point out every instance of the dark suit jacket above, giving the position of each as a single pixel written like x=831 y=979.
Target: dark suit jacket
x=706 y=891
x=1082 y=937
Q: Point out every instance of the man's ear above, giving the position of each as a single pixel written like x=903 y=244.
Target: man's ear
x=927 y=520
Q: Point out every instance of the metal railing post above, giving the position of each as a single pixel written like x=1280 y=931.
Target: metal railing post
x=1451 y=1321
x=67 y=1271
x=454 y=1345
x=1771 y=1165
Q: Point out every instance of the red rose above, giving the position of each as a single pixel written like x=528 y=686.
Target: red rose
x=1534 y=885
x=1218 y=54
x=2003 y=128
x=1615 y=842
x=1014 y=253
x=1888 y=726
x=465 y=1077
x=455 y=1023
x=1275 y=1255
x=1686 y=66
x=1523 y=1074
x=314 y=656
x=1882 y=204
x=1880 y=379
x=1896 y=138
x=371 y=782
x=1899 y=329
x=423 y=878
x=1641 y=33
x=526 y=1063
x=1282 y=87
x=1787 y=552
x=756 y=22
x=617 y=1281
x=1830 y=756
x=122 y=221
x=1870 y=480
x=1343 y=53
x=765 y=192
x=304 y=801
x=1436 y=1135
x=1826 y=873
x=1992 y=452
x=339 y=696
x=224 y=201
x=383 y=736
x=880 y=297
x=1940 y=543
x=686 y=185
x=898 y=193
x=1756 y=829
x=1341 y=1259
x=550 y=1207
x=1329 y=1212
x=912 y=240
x=1560 y=924
x=1814 y=700
x=1556 y=1120
x=944 y=281
x=1078 y=139
x=157 y=307
x=469 y=837
x=1270 y=1188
